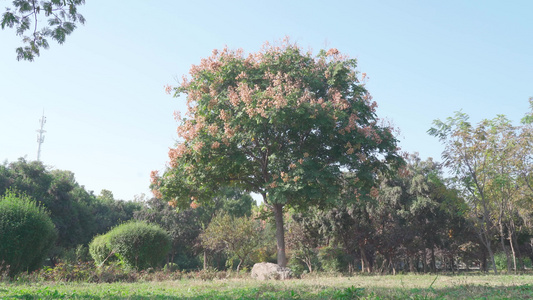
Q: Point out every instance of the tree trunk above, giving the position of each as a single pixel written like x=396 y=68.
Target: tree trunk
x=309 y=264
x=433 y=265
x=485 y=233
x=424 y=261
x=452 y=263
x=412 y=268
x=239 y=265
x=484 y=261
x=491 y=254
x=365 y=265
x=382 y=268
x=205 y=259
x=280 y=234
x=513 y=252
x=502 y=241
x=484 y=237
x=392 y=266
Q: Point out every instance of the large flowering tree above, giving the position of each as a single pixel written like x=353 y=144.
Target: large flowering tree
x=281 y=123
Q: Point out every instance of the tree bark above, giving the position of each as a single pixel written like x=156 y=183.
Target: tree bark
x=412 y=268
x=280 y=234
x=502 y=241
x=513 y=252
x=239 y=265
x=424 y=260
x=452 y=263
x=393 y=265
x=433 y=265
x=309 y=264
x=491 y=254
x=205 y=259
x=484 y=261
x=365 y=264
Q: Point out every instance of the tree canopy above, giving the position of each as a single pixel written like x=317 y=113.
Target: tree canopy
x=61 y=18
x=491 y=163
x=281 y=123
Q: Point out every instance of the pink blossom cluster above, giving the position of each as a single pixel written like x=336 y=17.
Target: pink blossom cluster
x=246 y=97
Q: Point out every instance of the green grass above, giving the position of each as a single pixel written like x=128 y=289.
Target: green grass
x=357 y=287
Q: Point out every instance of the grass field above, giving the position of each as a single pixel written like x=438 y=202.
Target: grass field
x=357 y=287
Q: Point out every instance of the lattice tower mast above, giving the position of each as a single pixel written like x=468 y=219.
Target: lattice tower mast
x=40 y=136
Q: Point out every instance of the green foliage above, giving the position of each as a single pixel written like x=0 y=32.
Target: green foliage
x=136 y=244
x=333 y=259
x=171 y=267
x=491 y=164
x=62 y=17
x=238 y=237
x=500 y=260
x=100 y=250
x=77 y=214
x=303 y=240
x=26 y=233
x=85 y=272
x=183 y=226
x=281 y=123
x=75 y=255
x=108 y=212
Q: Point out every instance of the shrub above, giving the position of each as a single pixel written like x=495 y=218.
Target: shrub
x=301 y=259
x=171 y=267
x=333 y=259
x=26 y=234
x=136 y=244
x=100 y=250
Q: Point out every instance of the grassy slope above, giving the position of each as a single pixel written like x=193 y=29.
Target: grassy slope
x=366 y=287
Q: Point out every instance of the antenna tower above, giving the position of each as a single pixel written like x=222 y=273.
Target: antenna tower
x=40 y=136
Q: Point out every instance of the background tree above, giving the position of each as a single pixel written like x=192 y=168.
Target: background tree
x=491 y=164
x=467 y=153
x=411 y=219
x=109 y=212
x=238 y=237
x=280 y=123
x=61 y=18
x=503 y=187
x=304 y=238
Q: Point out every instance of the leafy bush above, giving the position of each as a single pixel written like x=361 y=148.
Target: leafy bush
x=82 y=272
x=99 y=250
x=333 y=259
x=501 y=261
x=26 y=234
x=78 y=254
x=299 y=260
x=171 y=267
x=136 y=244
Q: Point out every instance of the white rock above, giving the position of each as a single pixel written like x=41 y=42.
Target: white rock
x=265 y=271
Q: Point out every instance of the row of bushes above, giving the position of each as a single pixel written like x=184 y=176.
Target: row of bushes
x=27 y=234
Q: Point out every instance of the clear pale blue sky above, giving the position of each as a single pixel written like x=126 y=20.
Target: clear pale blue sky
x=110 y=122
